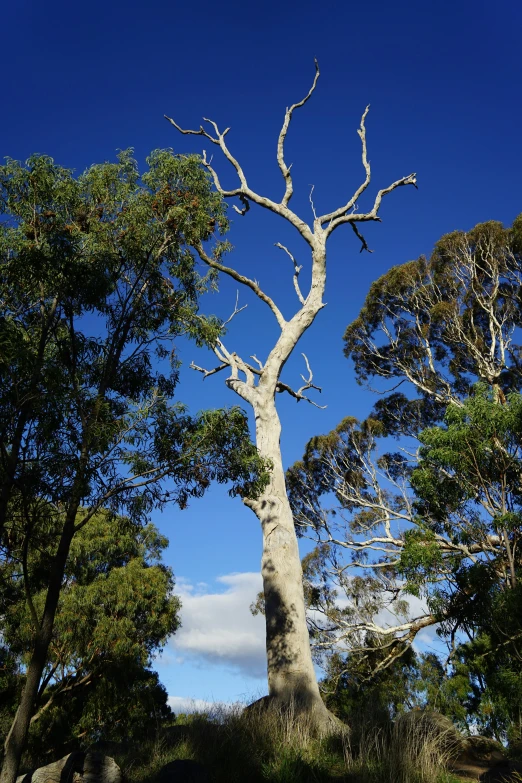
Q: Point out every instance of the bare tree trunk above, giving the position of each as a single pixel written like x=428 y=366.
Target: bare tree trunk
x=291 y=675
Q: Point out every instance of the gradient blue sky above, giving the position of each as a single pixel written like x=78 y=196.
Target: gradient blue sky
x=444 y=83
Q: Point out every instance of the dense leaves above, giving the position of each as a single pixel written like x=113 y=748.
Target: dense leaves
x=97 y=280
x=116 y=610
x=442 y=323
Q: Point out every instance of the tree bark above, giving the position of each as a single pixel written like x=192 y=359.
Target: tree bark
x=291 y=676
x=290 y=668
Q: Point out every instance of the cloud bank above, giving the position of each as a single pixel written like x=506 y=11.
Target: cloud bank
x=218 y=628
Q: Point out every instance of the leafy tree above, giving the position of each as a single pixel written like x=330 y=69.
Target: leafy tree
x=96 y=684
x=97 y=280
x=356 y=696
x=468 y=482
x=291 y=675
x=438 y=325
x=433 y=539
x=441 y=324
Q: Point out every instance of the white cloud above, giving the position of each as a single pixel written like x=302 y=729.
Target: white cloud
x=218 y=627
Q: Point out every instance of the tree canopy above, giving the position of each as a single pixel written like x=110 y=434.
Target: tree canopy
x=428 y=533
x=116 y=610
x=440 y=324
x=97 y=280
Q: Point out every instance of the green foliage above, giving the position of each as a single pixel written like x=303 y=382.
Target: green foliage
x=443 y=525
x=96 y=684
x=442 y=323
x=467 y=484
x=421 y=558
x=97 y=280
x=354 y=693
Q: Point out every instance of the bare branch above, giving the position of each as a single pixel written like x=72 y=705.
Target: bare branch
x=360 y=190
x=236 y=364
x=246 y=205
x=206 y=373
x=364 y=244
x=185 y=132
x=244 y=192
x=298 y=395
x=261 y=366
x=342 y=214
x=252 y=284
x=312 y=203
x=308 y=381
x=236 y=310
x=297 y=270
x=285 y=170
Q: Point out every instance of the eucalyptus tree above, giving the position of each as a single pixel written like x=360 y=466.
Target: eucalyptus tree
x=96 y=683
x=403 y=544
x=291 y=674
x=437 y=325
x=97 y=281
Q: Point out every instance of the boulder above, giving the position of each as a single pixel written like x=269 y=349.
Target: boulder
x=76 y=767
x=477 y=748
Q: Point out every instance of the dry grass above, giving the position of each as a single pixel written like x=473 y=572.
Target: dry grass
x=272 y=746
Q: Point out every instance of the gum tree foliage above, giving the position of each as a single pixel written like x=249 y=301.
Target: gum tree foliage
x=97 y=280
x=437 y=325
x=356 y=700
x=404 y=536
x=116 y=610
x=291 y=676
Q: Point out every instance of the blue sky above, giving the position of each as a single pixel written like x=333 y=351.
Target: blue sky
x=443 y=80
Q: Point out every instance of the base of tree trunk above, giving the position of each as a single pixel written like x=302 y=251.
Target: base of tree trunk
x=311 y=717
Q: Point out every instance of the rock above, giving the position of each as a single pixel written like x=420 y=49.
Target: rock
x=183 y=771
x=477 y=748
x=76 y=767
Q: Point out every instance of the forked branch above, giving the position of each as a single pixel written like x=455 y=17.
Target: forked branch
x=308 y=381
x=236 y=364
x=235 y=311
x=343 y=215
x=323 y=226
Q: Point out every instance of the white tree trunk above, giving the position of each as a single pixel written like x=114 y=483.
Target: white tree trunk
x=291 y=673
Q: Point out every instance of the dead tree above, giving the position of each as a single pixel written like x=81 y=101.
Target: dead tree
x=291 y=675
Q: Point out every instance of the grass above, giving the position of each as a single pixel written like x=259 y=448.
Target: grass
x=236 y=746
